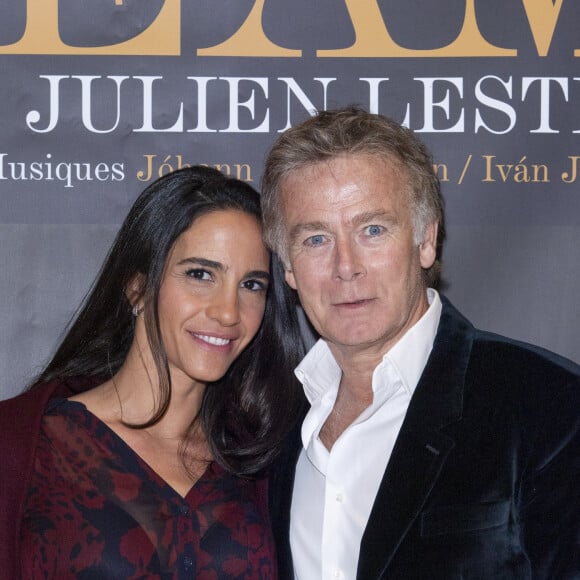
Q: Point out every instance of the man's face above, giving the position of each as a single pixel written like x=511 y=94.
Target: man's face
x=353 y=257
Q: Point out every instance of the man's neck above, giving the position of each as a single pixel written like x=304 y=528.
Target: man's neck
x=354 y=395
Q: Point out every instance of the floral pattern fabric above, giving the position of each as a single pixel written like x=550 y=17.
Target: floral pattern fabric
x=96 y=510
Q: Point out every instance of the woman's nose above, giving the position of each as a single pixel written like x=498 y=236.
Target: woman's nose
x=224 y=307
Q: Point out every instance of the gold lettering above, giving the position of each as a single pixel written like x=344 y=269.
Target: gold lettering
x=570 y=176
x=540 y=173
x=250 y=40
x=488 y=167
x=240 y=171
x=41 y=35
x=441 y=170
x=542 y=16
x=373 y=38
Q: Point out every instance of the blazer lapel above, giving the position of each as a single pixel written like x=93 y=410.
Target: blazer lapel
x=281 y=481
x=421 y=449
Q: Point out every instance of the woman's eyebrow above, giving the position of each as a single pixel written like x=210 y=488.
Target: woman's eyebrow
x=205 y=263
x=202 y=262
x=258 y=274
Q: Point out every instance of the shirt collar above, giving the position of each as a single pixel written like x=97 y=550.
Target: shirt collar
x=409 y=355
x=319 y=372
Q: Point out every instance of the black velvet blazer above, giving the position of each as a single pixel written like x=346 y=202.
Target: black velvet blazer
x=484 y=479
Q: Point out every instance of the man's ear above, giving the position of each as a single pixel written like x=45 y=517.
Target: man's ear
x=290 y=280
x=428 y=247
x=134 y=290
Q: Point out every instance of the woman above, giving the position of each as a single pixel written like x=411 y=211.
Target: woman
x=140 y=450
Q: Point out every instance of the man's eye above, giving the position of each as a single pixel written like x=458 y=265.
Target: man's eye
x=374 y=230
x=315 y=240
x=198 y=274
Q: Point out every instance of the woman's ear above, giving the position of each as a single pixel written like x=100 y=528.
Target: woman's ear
x=134 y=290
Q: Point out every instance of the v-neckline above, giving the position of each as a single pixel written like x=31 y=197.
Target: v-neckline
x=125 y=449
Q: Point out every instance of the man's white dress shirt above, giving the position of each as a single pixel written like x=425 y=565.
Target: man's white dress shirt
x=334 y=491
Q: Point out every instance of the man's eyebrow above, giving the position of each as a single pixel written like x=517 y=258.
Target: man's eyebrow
x=305 y=228
x=370 y=216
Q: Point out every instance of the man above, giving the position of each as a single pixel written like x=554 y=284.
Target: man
x=431 y=449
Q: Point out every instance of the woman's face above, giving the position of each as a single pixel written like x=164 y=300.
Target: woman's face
x=213 y=295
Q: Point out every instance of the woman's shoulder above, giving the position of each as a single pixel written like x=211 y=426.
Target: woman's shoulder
x=22 y=409
x=21 y=416
x=28 y=397
x=30 y=404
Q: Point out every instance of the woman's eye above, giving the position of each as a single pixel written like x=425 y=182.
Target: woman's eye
x=198 y=274
x=254 y=285
x=374 y=230
x=315 y=240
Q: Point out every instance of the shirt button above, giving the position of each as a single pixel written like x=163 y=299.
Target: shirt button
x=339 y=498
x=184 y=509
x=337 y=574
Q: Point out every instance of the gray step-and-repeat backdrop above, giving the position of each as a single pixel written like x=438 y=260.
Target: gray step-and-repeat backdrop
x=99 y=97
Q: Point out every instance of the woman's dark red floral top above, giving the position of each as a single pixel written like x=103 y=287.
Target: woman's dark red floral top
x=95 y=510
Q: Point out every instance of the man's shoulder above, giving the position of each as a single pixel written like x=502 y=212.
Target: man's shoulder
x=507 y=355
x=529 y=383
x=498 y=364
x=504 y=353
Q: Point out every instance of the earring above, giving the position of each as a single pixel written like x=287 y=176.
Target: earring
x=135 y=311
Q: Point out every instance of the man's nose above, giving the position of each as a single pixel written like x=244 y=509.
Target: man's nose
x=348 y=261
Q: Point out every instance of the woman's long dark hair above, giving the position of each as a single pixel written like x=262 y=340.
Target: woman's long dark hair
x=248 y=412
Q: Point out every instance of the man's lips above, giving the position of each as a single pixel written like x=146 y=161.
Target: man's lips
x=353 y=303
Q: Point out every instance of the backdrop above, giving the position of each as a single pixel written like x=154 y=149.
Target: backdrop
x=99 y=97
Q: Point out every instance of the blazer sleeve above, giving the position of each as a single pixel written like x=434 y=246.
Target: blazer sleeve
x=550 y=492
